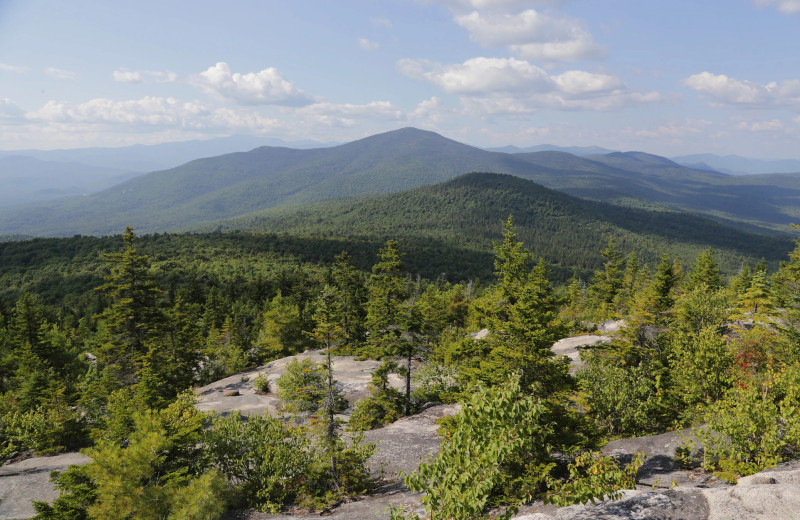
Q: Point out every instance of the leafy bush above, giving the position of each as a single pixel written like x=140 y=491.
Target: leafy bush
x=500 y=454
x=755 y=426
x=621 y=399
x=261 y=384
x=265 y=461
x=43 y=430
x=270 y=464
x=303 y=387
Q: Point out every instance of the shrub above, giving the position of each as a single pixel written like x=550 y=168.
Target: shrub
x=303 y=387
x=755 y=426
x=500 y=454
x=261 y=384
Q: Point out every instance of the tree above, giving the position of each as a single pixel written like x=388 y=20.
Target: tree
x=606 y=284
x=705 y=272
x=352 y=291
x=387 y=294
x=134 y=317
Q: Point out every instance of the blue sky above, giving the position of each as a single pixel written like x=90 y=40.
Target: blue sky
x=668 y=77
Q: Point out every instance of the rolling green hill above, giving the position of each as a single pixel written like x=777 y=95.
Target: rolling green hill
x=466 y=213
x=208 y=190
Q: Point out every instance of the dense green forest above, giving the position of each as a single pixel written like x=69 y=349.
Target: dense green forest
x=102 y=339
x=464 y=214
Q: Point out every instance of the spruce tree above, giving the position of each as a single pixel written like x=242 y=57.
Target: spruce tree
x=134 y=317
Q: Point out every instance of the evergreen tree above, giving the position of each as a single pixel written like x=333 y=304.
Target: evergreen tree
x=134 y=318
x=705 y=272
x=385 y=305
x=352 y=291
x=606 y=284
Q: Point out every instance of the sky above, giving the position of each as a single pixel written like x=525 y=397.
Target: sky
x=667 y=77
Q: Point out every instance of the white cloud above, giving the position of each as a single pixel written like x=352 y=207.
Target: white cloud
x=512 y=86
x=4 y=67
x=532 y=35
x=368 y=45
x=761 y=126
x=784 y=6
x=127 y=76
x=148 y=110
x=267 y=87
x=60 y=73
x=725 y=90
x=382 y=110
x=478 y=75
x=140 y=76
x=430 y=110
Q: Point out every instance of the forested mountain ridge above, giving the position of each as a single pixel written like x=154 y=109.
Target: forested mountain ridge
x=465 y=213
x=222 y=187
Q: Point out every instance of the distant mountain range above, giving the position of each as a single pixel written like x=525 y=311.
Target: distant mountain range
x=574 y=150
x=29 y=176
x=205 y=191
x=25 y=180
x=737 y=165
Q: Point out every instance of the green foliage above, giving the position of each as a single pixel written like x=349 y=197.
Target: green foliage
x=302 y=388
x=77 y=493
x=594 y=477
x=701 y=367
x=755 y=426
x=265 y=461
x=146 y=479
x=384 y=404
x=705 y=272
x=622 y=400
x=261 y=384
x=45 y=430
x=500 y=454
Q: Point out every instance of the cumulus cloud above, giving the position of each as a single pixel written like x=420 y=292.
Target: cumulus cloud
x=5 y=67
x=431 y=110
x=532 y=35
x=267 y=87
x=127 y=76
x=761 y=126
x=140 y=76
x=60 y=73
x=724 y=90
x=509 y=85
x=368 y=45
x=784 y=6
x=148 y=110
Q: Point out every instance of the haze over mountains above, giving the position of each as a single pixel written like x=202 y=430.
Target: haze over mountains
x=204 y=191
x=39 y=175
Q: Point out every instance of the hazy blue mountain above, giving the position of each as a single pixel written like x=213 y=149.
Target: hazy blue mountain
x=574 y=150
x=737 y=165
x=211 y=189
x=25 y=179
x=148 y=158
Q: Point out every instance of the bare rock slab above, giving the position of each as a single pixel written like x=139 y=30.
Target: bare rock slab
x=23 y=482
